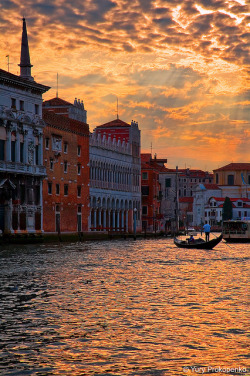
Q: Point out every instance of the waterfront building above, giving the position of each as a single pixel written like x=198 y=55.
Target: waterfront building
x=74 y=111
x=178 y=187
x=152 y=218
x=234 y=179
x=21 y=148
x=115 y=177
x=66 y=159
x=201 y=195
x=186 y=211
x=214 y=209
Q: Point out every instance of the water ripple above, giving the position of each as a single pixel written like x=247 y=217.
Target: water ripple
x=122 y=308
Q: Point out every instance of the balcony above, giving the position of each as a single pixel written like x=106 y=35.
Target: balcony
x=21 y=168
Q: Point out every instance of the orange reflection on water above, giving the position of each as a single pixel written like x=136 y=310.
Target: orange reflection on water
x=137 y=308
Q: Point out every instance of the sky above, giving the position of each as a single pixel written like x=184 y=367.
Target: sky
x=178 y=68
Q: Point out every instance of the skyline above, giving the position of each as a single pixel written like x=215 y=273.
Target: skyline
x=180 y=71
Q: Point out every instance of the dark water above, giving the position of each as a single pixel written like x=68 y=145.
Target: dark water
x=123 y=308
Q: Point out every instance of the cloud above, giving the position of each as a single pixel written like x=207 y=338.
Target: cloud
x=180 y=68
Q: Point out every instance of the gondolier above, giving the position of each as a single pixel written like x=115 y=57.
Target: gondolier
x=207 y=229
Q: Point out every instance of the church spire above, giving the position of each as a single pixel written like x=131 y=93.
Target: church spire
x=25 y=66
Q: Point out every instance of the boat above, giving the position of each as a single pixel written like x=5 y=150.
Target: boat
x=236 y=231
x=198 y=243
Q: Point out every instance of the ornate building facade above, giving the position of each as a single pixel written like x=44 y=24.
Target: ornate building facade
x=115 y=174
x=66 y=186
x=21 y=148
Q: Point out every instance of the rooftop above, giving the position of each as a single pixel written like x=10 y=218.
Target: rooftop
x=234 y=167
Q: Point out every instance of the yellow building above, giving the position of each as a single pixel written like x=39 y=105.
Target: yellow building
x=234 y=179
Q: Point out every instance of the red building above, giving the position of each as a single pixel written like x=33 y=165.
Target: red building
x=66 y=187
x=151 y=193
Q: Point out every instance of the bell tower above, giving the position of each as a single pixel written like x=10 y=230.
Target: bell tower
x=25 y=66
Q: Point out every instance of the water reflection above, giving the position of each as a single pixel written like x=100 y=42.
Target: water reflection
x=122 y=308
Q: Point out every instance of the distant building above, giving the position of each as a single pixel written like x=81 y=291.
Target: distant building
x=74 y=111
x=21 y=148
x=214 y=209
x=151 y=193
x=186 y=211
x=188 y=180
x=201 y=195
x=115 y=174
x=66 y=186
x=234 y=179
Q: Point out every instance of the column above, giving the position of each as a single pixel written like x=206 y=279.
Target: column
x=8 y=217
x=17 y=147
x=8 y=145
x=25 y=147
x=109 y=224
x=94 y=220
x=40 y=150
x=122 y=220
x=118 y=219
x=113 y=220
x=104 y=219
x=99 y=218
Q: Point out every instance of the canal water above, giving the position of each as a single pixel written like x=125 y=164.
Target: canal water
x=123 y=308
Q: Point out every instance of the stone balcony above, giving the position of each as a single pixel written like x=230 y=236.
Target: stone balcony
x=21 y=168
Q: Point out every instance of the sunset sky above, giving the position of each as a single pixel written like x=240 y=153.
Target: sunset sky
x=179 y=68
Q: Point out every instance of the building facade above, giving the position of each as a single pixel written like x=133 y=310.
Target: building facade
x=21 y=148
x=115 y=172
x=66 y=186
x=234 y=179
x=202 y=193
x=214 y=209
x=152 y=219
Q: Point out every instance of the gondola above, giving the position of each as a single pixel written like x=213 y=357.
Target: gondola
x=198 y=243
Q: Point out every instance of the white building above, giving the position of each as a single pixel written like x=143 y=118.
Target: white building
x=201 y=195
x=115 y=177
x=21 y=159
x=214 y=209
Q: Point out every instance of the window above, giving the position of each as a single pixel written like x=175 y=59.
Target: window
x=78 y=169
x=167 y=183
x=145 y=190
x=37 y=194
x=65 y=148
x=248 y=179
x=144 y=210
x=240 y=203
x=13 y=151
x=66 y=189
x=230 y=179
x=21 y=105
x=21 y=152
x=36 y=155
x=79 y=209
x=78 y=150
x=79 y=191
x=46 y=143
x=2 y=148
x=217 y=178
x=22 y=193
x=13 y=102
x=51 y=164
x=37 y=109
x=57 y=189
x=144 y=175
x=49 y=188
x=65 y=167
